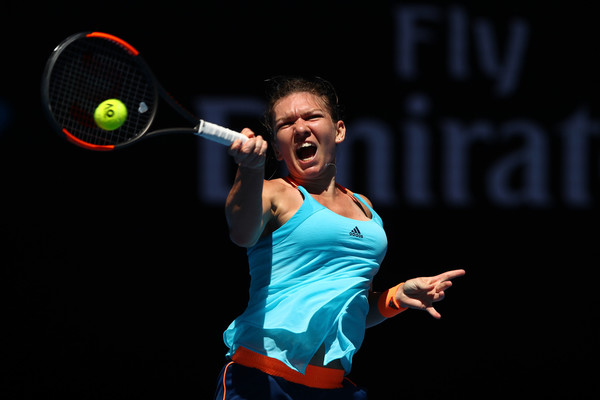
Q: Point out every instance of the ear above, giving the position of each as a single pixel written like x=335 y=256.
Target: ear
x=340 y=134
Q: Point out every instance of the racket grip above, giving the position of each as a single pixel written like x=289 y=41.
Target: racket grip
x=218 y=133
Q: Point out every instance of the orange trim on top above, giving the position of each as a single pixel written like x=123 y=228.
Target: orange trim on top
x=314 y=376
x=87 y=145
x=344 y=190
x=123 y=43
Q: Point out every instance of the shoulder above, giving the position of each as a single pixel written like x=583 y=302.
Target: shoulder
x=278 y=187
x=361 y=200
x=279 y=191
x=365 y=199
x=360 y=196
x=283 y=200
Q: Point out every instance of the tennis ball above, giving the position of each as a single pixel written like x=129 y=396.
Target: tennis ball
x=110 y=114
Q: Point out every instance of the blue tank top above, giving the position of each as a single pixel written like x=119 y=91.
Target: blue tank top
x=309 y=287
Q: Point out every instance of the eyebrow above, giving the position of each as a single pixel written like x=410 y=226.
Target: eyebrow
x=288 y=116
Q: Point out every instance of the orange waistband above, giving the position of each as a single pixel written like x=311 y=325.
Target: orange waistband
x=314 y=376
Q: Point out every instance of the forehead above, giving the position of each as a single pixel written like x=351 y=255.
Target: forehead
x=297 y=103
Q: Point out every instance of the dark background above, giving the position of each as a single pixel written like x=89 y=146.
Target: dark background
x=118 y=277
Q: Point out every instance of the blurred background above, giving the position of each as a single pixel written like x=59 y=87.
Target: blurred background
x=472 y=126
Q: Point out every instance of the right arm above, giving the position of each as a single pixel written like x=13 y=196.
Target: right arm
x=246 y=209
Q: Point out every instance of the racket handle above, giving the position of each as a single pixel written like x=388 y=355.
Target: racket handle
x=219 y=134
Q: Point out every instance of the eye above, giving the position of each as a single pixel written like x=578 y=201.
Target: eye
x=282 y=125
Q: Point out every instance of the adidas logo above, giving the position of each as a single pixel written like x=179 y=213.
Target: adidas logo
x=356 y=233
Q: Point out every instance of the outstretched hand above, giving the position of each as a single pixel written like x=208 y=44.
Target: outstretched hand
x=421 y=293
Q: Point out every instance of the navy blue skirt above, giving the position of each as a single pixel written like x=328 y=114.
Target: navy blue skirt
x=237 y=382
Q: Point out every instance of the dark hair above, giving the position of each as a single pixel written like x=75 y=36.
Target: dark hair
x=282 y=86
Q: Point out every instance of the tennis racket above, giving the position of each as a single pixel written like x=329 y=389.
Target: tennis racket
x=87 y=69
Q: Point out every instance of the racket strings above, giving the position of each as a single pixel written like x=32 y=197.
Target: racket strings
x=89 y=71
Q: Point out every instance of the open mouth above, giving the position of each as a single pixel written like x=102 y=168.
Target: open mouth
x=306 y=151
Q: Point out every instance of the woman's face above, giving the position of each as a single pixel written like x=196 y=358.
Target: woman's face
x=306 y=136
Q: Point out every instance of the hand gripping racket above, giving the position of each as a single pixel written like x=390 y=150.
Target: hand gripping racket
x=86 y=70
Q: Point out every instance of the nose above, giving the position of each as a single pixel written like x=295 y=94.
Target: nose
x=300 y=127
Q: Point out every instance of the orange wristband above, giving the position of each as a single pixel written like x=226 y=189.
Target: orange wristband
x=388 y=305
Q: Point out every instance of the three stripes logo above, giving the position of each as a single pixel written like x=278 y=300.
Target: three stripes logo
x=356 y=233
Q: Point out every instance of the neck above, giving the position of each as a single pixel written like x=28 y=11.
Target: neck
x=322 y=184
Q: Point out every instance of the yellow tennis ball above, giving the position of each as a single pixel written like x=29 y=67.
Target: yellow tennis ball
x=110 y=114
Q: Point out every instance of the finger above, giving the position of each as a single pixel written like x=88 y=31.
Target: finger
x=413 y=303
x=249 y=145
x=235 y=146
x=248 y=132
x=438 y=297
x=253 y=153
x=448 y=275
x=260 y=147
x=417 y=285
x=444 y=285
x=235 y=150
x=264 y=147
x=253 y=150
x=253 y=147
x=433 y=312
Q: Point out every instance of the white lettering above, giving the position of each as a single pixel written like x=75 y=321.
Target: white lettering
x=375 y=138
x=504 y=71
x=456 y=161
x=416 y=27
x=518 y=177
x=531 y=160
x=575 y=132
x=410 y=33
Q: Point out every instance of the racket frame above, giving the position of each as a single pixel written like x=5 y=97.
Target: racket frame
x=202 y=128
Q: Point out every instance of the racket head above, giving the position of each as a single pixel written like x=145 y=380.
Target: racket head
x=88 y=68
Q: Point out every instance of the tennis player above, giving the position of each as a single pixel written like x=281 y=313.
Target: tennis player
x=313 y=249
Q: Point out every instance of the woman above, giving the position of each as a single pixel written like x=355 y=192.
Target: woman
x=313 y=249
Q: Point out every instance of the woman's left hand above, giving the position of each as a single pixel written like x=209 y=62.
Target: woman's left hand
x=421 y=293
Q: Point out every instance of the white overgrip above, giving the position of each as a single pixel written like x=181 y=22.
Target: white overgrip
x=218 y=133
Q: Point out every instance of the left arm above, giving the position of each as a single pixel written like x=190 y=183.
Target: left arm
x=417 y=293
